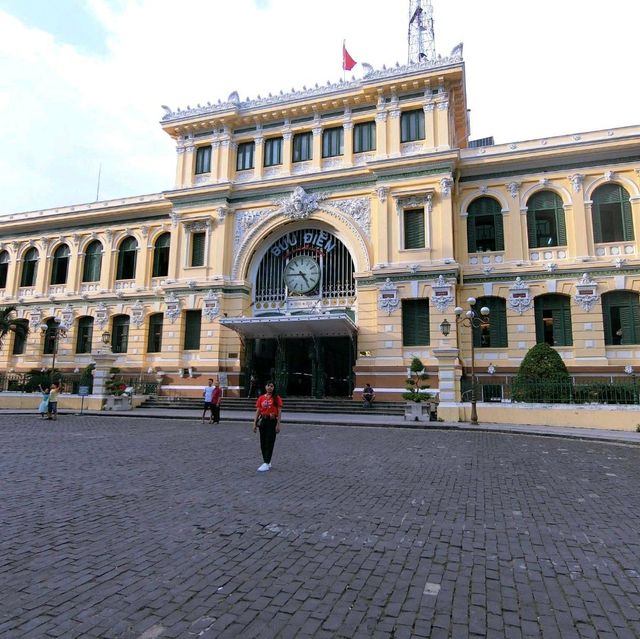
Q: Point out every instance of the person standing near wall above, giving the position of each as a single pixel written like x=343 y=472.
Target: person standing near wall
x=207 y=395
x=52 y=411
x=267 y=419
x=216 y=400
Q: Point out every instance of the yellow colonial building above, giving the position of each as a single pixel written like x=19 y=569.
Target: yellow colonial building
x=321 y=237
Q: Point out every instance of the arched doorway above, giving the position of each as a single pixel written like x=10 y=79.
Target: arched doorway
x=302 y=333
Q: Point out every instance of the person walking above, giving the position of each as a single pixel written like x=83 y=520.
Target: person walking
x=43 y=408
x=52 y=409
x=216 y=400
x=267 y=419
x=207 y=393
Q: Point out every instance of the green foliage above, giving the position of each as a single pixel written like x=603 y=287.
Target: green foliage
x=86 y=375
x=416 y=388
x=8 y=323
x=542 y=377
x=113 y=385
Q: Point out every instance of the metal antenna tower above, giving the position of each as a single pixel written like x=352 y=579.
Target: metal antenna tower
x=422 y=41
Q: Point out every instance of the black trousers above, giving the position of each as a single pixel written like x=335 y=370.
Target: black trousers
x=267 y=438
x=215 y=409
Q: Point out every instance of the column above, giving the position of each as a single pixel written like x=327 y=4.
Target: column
x=442 y=141
x=176 y=249
x=189 y=162
x=144 y=260
x=381 y=134
x=180 y=162
x=430 y=134
x=215 y=160
x=393 y=139
x=348 y=141
x=44 y=267
x=258 y=156
x=316 y=159
x=109 y=261
x=13 y=274
x=287 y=151
x=449 y=383
x=380 y=221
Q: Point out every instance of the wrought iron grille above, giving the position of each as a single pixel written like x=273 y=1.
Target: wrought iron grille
x=336 y=266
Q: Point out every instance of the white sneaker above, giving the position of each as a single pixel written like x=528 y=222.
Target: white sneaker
x=269 y=466
x=263 y=468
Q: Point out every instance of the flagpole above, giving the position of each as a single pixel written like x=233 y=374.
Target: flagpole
x=344 y=74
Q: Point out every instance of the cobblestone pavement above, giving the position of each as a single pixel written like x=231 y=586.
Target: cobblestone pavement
x=143 y=529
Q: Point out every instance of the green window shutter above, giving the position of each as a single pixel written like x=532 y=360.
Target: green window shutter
x=499 y=231
x=364 y=137
x=414 y=236
x=472 y=246
x=627 y=220
x=302 y=147
x=203 y=159
x=565 y=320
x=154 y=338
x=597 y=224
x=626 y=305
x=244 y=156
x=273 y=152
x=197 y=249
x=412 y=125
x=192 y=327
x=497 y=323
x=415 y=322
x=332 y=142
x=539 y=321
x=606 y=319
x=561 y=226
x=531 y=229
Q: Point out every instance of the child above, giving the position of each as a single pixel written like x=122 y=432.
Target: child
x=44 y=404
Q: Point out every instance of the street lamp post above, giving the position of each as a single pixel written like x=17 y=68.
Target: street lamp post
x=55 y=330
x=473 y=320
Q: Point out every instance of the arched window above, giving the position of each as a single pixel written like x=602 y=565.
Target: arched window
x=161 y=256
x=29 y=268
x=92 y=262
x=621 y=316
x=4 y=268
x=154 y=340
x=553 y=320
x=120 y=334
x=494 y=335
x=20 y=336
x=484 y=226
x=545 y=220
x=611 y=214
x=60 y=266
x=50 y=337
x=127 y=259
x=85 y=334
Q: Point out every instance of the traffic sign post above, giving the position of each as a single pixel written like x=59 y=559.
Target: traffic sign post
x=83 y=391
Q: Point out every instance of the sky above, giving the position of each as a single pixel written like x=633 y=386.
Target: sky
x=82 y=81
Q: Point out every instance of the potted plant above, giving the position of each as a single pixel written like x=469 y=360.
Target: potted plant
x=117 y=399
x=417 y=407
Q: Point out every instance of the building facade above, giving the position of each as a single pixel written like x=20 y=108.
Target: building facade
x=321 y=237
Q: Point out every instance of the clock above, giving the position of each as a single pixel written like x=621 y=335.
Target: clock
x=301 y=274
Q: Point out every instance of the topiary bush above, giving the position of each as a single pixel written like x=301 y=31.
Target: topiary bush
x=542 y=377
x=416 y=388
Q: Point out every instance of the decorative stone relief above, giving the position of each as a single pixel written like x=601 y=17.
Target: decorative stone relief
x=576 y=180
x=173 y=307
x=609 y=176
x=388 y=297
x=513 y=188
x=299 y=205
x=619 y=262
x=442 y=294
x=244 y=221
x=446 y=184
x=198 y=226
x=586 y=295
x=36 y=318
x=175 y=218
x=137 y=314
x=222 y=212
x=67 y=317
x=359 y=209
x=519 y=298
x=102 y=315
x=382 y=192
x=211 y=305
x=551 y=267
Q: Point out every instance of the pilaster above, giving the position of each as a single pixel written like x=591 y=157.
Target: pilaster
x=258 y=157
x=393 y=128
x=287 y=151
x=347 y=126
x=442 y=124
x=316 y=160
x=381 y=133
x=448 y=383
x=430 y=133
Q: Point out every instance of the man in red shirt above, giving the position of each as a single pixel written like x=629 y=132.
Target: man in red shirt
x=216 y=400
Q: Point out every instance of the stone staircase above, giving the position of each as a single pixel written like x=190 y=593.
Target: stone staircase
x=332 y=405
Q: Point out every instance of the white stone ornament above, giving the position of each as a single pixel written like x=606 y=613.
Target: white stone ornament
x=519 y=297
x=172 y=303
x=442 y=296
x=211 y=306
x=576 y=181
x=446 y=184
x=586 y=295
x=137 y=314
x=102 y=315
x=299 y=205
x=513 y=188
x=67 y=318
x=388 y=297
x=36 y=318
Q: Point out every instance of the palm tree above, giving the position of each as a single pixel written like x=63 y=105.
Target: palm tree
x=8 y=323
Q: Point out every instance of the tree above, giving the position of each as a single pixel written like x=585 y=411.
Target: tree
x=8 y=324
x=542 y=377
x=416 y=388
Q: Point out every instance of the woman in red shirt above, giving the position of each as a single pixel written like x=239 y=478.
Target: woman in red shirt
x=267 y=418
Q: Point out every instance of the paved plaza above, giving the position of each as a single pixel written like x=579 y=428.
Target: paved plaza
x=144 y=529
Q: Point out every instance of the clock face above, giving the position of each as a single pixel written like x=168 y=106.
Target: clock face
x=301 y=274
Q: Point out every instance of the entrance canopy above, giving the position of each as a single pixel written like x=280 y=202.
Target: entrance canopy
x=318 y=325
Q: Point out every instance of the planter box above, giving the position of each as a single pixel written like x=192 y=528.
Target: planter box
x=417 y=411
x=118 y=402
